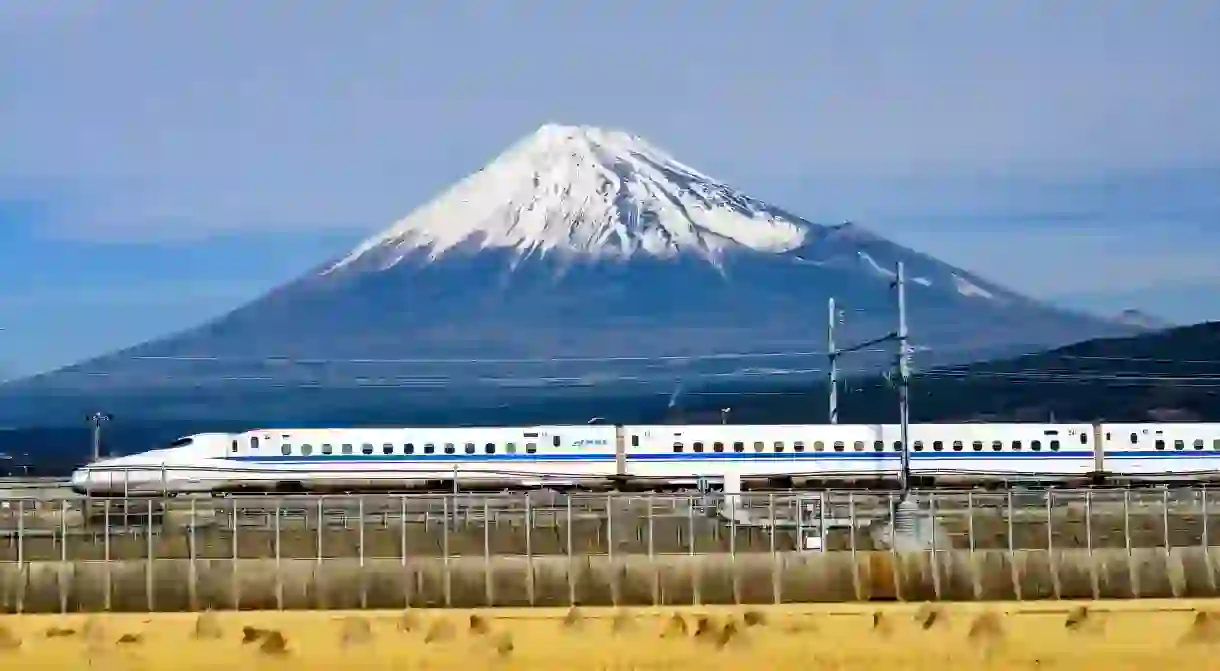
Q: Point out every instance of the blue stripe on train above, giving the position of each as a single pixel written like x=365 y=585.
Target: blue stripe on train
x=716 y=456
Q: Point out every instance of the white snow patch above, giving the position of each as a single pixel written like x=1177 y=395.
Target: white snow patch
x=592 y=192
x=967 y=288
x=892 y=274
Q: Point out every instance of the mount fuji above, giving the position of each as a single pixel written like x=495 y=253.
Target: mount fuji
x=583 y=257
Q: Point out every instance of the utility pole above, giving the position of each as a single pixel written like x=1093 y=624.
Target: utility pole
x=833 y=354
x=904 y=381
x=97 y=419
x=902 y=336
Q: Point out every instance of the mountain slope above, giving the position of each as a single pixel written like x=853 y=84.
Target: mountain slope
x=1170 y=375
x=595 y=248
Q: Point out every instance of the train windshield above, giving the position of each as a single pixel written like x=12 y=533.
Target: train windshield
x=182 y=442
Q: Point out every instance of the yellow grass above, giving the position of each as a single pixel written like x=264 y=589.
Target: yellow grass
x=1076 y=635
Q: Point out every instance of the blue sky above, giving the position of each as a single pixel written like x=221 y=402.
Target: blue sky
x=161 y=163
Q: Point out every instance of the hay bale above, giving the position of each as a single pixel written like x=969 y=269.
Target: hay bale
x=207 y=626
x=354 y=631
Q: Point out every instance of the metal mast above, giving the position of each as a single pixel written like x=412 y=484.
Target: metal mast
x=97 y=419
x=833 y=354
x=904 y=380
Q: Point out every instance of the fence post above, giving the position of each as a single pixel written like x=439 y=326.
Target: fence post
x=407 y=577
x=1012 y=551
x=776 y=592
x=652 y=559
x=1050 y=545
x=63 y=555
x=1207 y=553
x=279 y=573
x=855 y=566
x=192 y=570
x=489 y=590
x=571 y=559
x=364 y=582
x=1132 y=573
x=529 y=550
x=321 y=520
x=445 y=550
x=1094 y=582
x=234 y=583
x=614 y=574
x=733 y=501
x=107 y=578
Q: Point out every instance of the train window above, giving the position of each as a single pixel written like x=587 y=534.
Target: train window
x=387 y=448
x=347 y=448
x=938 y=445
x=819 y=446
x=1135 y=439
x=285 y=449
x=635 y=441
x=997 y=445
x=469 y=448
x=1084 y=437
x=779 y=446
x=957 y=446
x=677 y=447
x=306 y=450
x=1054 y=446
x=490 y=448
x=234 y=447
x=367 y=448
x=758 y=446
x=409 y=448
x=919 y=446
x=1216 y=444
x=555 y=441
x=977 y=446
x=429 y=448
x=1198 y=445
x=839 y=445
x=698 y=447
x=449 y=448
x=510 y=448
x=1016 y=446
x=897 y=445
x=857 y=445
x=798 y=446
x=531 y=434
x=878 y=445
x=1035 y=445
x=531 y=448
x=718 y=446
x=327 y=449
x=739 y=446
x=1179 y=445
x=254 y=442
x=1160 y=444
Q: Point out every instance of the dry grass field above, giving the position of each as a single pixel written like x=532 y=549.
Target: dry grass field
x=1113 y=636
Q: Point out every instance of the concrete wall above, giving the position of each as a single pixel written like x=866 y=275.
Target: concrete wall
x=183 y=585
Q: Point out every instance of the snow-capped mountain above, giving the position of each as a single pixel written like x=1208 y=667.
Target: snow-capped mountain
x=583 y=256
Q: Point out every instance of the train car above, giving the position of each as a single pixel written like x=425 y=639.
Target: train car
x=781 y=454
x=327 y=459
x=1160 y=451
x=659 y=457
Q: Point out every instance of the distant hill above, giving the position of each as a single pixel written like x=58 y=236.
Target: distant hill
x=1170 y=375
x=1142 y=320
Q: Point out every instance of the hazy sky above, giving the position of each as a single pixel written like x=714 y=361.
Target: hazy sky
x=160 y=163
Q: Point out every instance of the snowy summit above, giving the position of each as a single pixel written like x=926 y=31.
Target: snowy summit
x=588 y=191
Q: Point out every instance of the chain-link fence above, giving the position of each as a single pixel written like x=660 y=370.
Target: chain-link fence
x=404 y=526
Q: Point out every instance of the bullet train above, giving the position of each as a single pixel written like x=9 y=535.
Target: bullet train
x=656 y=457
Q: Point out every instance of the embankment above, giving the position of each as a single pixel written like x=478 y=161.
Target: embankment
x=619 y=580
x=1113 y=636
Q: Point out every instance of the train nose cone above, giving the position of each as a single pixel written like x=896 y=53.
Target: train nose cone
x=80 y=481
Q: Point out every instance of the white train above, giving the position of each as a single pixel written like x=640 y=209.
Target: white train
x=656 y=457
